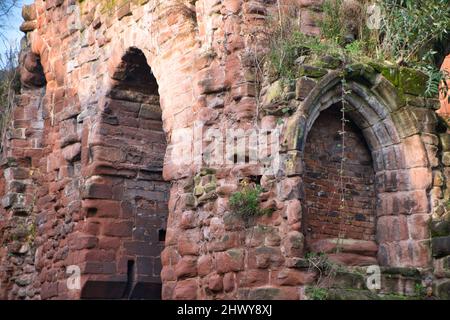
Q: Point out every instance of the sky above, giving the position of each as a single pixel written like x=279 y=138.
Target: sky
x=12 y=24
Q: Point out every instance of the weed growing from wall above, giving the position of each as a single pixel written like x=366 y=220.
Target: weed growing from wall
x=246 y=202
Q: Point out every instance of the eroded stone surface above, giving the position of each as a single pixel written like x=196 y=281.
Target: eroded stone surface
x=92 y=177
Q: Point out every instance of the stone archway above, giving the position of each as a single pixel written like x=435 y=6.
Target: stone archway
x=400 y=162
x=339 y=184
x=125 y=194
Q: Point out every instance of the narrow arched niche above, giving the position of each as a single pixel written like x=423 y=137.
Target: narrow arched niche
x=129 y=157
x=399 y=159
x=340 y=199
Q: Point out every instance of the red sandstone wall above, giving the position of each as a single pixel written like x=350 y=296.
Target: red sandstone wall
x=78 y=157
x=80 y=48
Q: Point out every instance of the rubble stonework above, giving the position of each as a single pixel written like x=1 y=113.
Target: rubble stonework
x=93 y=177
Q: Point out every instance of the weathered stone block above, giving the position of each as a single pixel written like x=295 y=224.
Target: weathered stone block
x=442 y=289
x=231 y=260
x=293 y=244
x=343 y=294
x=292 y=277
x=303 y=87
x=445 y=141
x=186 y=290
x=186 y=267
x=412 y=81
x=441 y=246
x=215 y=283
x=312 y=72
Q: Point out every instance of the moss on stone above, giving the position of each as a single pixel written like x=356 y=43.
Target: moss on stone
x=207 y=171
x=230 y=221
x=312 y=71
x=265 y=250
x=442 y=289
x=439 y=228
x=236 y=254
x=351 y=294
x=392 y=95
x=406 y=272
x=263 y=294
x=360 y=71
x=390 y=72
x=301 y=263
x=413 y=81
x=274 y=93
x=263 y=229
x=190 y=201
x=394 y=296
x=198 y=190
x=330 y=62
x=207 y=197
x=348 y=279
x=209 y=187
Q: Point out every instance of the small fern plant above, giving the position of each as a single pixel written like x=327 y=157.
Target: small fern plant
x=246 y=202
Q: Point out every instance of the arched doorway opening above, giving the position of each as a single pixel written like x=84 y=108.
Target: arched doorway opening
x=400 y=166
x=127 y=157
x=340 y=208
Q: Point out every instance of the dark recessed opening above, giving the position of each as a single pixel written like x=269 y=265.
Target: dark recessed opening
x=130 y=279
x=255 y=179
x=91 y=212
x=133 y=106
x=162 y=235
x=135 y=74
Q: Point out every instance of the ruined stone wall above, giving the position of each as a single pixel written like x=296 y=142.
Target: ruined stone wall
x=82 y=162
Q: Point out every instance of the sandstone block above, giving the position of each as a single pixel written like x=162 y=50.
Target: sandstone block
x=186 y=267
x=186 y=290
x=231 y=260
x=215 y=283
x=441 y=246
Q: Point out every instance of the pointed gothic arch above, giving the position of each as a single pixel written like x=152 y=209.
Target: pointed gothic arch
x=401 y=180
x=128 y=196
